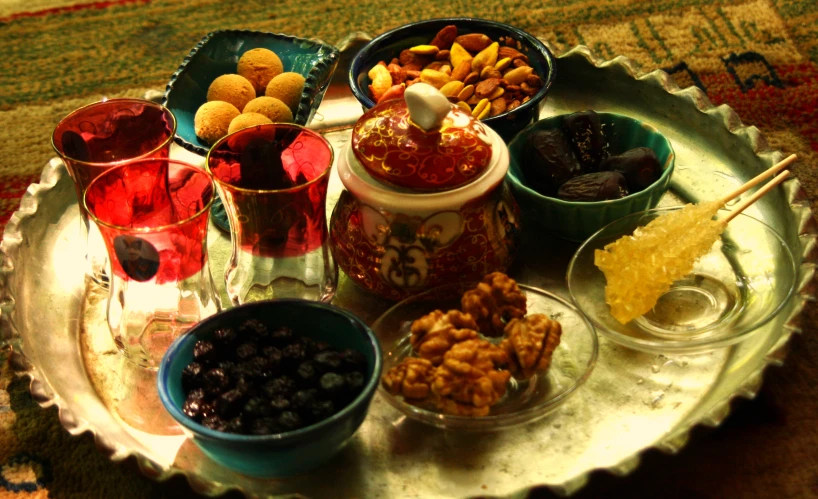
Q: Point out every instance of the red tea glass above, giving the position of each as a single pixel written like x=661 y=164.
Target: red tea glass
x=273 y=182
x=96 y=137
x=153 y=216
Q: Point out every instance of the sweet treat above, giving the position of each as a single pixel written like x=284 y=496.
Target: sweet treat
x=259 y=66
x=639 y=166
x=212 y=120
x=484 y=77
x=272 y=108
x=286 y=87
x=435 y=333
x=587 y=140
x=597 y=186
x=572 y=162
x=640 y=268
x=549 y=161
x=530 y=343
x=231 y=88
x=246 y=120
x=494 y=302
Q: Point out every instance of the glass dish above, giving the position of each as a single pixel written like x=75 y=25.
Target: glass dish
x=525 y=401
x=743 y=282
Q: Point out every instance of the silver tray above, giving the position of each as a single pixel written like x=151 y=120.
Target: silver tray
x=54 y=321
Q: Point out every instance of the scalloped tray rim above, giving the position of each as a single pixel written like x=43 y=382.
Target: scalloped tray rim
x=672 y=443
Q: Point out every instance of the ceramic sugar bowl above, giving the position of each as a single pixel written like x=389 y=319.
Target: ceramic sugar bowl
x=425 y=201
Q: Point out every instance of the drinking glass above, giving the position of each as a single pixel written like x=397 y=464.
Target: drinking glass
x=153 y=216
x=273 y=182
x=101 y=135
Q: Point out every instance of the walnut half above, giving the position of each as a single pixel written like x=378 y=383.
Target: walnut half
x=435 y=333
x=530 y=343
x=495 y=301
x=411 y=378
x=470 y=380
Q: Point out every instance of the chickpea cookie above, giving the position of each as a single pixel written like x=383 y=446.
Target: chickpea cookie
x=260 y=66
x=231 y=88
x=272 y=108
x=212 y=120
x=287 y=87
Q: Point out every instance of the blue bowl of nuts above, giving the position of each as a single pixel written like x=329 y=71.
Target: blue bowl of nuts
x=578 y=172
x=272 y=388
x=469 y=60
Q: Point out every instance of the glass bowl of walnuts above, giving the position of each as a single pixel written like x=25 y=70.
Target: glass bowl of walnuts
x=483 y=357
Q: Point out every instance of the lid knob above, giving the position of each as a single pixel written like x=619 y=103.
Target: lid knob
x=427 y=106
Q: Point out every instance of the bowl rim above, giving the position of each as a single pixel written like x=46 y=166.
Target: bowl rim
x=661 y=345
x=538 y=46
x=201 y=431
x=497 y=421
x=330 y=60
x=663 y=179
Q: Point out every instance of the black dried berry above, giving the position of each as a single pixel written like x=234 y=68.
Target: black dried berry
x=320 y=346
x=214 y=422
x=328 y=360
x=235 y=425
x=355 y=382
x=333 y=384
x=280 y=404
x=246 y=351
x=259 y=368
x=193 y=407
x=353 y=360
x=228 y=403
x=204 y=352
x=253 y=329
x=307 y=373
x=292 y=355
x=224 y=337
x=215 y=381
x=281 y=336
x=257 y=407
x=304 y=398
x=289 y=421
x=320 y=410
x=192 y=376
x=264 y=426
x=282 y=386
x=207 y=409
x=226 y=365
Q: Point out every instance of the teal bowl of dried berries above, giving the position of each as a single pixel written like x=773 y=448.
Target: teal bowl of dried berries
x=578 y=172
x=272 y=388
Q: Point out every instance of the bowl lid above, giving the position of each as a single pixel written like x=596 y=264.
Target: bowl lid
x=421 y=142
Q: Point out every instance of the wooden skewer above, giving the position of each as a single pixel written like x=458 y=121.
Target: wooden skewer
x=759 y=178
x=757 y=195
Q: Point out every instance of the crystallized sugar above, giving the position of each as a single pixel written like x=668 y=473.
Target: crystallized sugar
x=641 y=267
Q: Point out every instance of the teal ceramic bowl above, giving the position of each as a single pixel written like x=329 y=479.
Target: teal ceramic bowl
x=290 y=452
x=218 y=53
x=574 y=220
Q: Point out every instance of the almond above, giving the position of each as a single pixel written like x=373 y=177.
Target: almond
x=486 y=57
x=518 y=75
x=486 y=87
x=473 y=42
x=461 y=71
x=397 y=72
x=466 y=93
x=444 y=38
x=498 y=106
x=452 y=88
x=472 y=77
x=443 y=55
x=458 y=54
x=424 y=50
x=434 y=78
x=509 y=52
x=481 y=110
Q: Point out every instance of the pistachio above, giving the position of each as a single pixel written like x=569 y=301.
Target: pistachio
x=481 y=110
x=486 y=57
x=434 y=78
x=424 y=49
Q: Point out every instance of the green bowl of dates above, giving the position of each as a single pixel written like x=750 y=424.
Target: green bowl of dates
x=576 y=173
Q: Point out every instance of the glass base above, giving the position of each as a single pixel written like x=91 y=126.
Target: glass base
x=696 y=306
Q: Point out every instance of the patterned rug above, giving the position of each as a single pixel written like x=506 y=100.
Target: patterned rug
x=758 y=56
